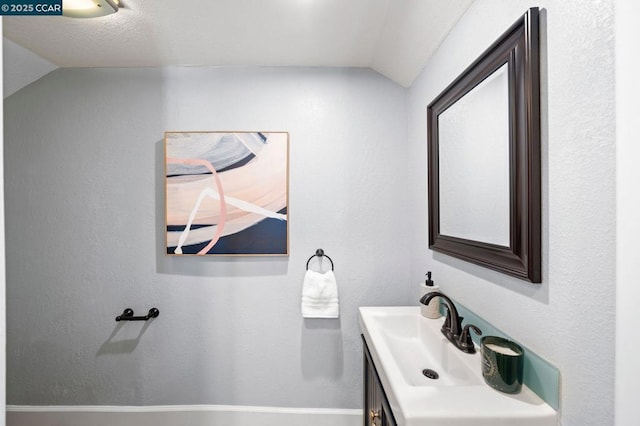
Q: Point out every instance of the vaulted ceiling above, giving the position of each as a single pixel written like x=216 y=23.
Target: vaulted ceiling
x=393 y=37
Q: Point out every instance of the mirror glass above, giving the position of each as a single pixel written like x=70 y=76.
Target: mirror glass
x=474 y=163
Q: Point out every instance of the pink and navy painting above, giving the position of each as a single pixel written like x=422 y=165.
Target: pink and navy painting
x=227 y=193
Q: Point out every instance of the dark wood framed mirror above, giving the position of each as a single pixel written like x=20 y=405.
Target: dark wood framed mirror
x=484 y=158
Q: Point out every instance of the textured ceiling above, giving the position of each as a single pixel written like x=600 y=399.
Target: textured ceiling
x=393 y=37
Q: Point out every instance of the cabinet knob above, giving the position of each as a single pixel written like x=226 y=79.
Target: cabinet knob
x=374 y=417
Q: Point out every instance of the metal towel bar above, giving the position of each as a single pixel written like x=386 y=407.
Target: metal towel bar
x=127 y=315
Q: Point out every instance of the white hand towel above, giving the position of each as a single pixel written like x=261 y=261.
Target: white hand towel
x=320 y=295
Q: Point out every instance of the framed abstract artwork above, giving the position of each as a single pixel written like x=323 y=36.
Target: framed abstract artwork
x=227 y=193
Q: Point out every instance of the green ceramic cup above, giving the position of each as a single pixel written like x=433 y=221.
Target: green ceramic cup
x=502 y=364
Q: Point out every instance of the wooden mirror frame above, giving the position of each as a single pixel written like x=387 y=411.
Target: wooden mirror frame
x=519 y=48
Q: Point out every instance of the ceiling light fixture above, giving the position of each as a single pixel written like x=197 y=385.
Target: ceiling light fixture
x=89 y=8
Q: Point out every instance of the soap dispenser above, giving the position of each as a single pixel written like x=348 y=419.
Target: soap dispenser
x=432 y=310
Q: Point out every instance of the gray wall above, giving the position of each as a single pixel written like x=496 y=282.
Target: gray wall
x=3 y=335
x=628 y=203
x=21 y=67
x=84 y=214
x=570 y=318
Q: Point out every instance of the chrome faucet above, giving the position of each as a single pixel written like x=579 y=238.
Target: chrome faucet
x=452 y=326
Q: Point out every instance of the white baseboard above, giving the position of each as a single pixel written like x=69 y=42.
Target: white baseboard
x=181 y=415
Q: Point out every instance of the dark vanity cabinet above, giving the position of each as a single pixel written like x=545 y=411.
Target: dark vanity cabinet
x=376 y=406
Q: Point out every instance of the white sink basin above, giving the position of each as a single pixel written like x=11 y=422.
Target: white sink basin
x=403 y=343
